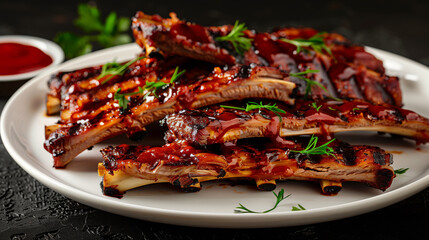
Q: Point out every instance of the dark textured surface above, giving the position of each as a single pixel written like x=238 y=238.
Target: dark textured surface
x=28 y=210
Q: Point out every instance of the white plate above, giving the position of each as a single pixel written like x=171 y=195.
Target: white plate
x=22 y=133
x=48 y=47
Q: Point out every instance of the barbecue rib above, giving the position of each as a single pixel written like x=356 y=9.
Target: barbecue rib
x=342 y=49
x=349 y=73
x=126 y=167
x=217 y=124
x=97 y=122
x=83 y=88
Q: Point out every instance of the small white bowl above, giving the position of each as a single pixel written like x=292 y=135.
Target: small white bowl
x=48 y=47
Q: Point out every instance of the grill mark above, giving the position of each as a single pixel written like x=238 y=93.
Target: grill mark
x=244 y=71
x=349 y=154
x=379 y=158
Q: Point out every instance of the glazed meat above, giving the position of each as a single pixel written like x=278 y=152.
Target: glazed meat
x=98 y=117
x=229 y=122
x=75 y=92
x=346 y=71
x=183 y=75
x=342 y=49
x=126 y=167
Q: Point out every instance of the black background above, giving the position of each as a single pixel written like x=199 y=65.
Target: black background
x=28 y=210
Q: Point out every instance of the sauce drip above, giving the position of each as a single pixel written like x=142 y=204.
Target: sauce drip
x=16 y=58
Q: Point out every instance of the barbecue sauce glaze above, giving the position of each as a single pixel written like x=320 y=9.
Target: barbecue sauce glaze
x=347 y=71
x=252 y=159
x=221 y=120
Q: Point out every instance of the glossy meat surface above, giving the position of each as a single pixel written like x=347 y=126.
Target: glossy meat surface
x=217 y=124
x=95 y=115
x=126 y=167
x=348 y=73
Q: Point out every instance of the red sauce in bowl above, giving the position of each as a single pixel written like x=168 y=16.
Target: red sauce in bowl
x=16 y=58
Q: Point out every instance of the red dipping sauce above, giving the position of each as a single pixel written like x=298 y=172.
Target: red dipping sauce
x=16 y=58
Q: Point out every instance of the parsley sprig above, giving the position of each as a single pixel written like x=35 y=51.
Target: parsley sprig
x=401 y=171
x=122 y=97
x=279 y=197
x=299 y=208
x=310 y=83
x=314 y=105
x=153 y=87
x=254 y=105
x=176 y=75
x=111 y=32
x=115 y=69
x=236 y=37
x=316 y=43
x=312 y=148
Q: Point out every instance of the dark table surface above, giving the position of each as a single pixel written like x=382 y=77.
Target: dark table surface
x=29 y=210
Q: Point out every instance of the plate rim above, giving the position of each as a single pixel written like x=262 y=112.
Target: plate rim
x=189 y=218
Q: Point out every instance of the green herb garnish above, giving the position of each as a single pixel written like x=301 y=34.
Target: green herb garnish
x=316 y=43
x=299 y=208
x=236 y=37
x=254 y=105
x=273 y=108
x=115 y=69
x=153 y=87
x=309 y=82
x=279 y=197
x=312 y=148
x=176 y=75
x=111 y=32
x=314 y=105
x=401 y=171
x=122 y=97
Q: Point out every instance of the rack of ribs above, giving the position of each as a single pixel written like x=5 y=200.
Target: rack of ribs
x=211 y=134
x=126 y=166
x=231 y=121
x=347 y=71
x=90 y=116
